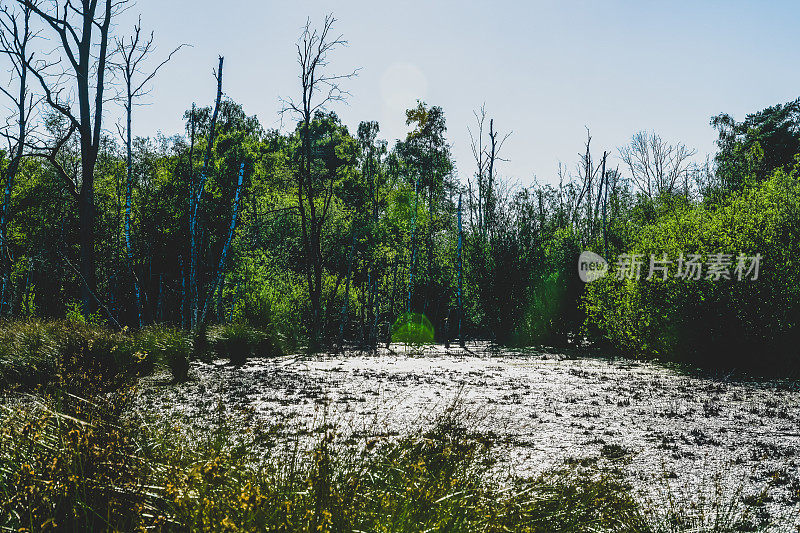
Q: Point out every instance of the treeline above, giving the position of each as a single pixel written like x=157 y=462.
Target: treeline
x=329 y=237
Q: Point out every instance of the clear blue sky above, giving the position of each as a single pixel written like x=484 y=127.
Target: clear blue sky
x=545 y=69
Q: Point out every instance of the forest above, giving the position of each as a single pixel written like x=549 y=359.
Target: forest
x=125 y=259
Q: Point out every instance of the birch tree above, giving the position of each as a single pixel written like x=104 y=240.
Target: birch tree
x=133 y=53
x=195 y=197
x=218 y=280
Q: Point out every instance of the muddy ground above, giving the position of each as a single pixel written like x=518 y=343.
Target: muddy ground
x=714 y=441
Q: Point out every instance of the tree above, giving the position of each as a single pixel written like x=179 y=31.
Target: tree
x=762 y=142
x=195 y=197
x=372 y=151
x=426 y=156
x=319 y=89
x=656 y=166
x=15 y=37
x=486 y=154
x=78 y=67
x=133 y=54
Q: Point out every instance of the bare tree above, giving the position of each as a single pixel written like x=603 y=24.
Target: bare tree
x=15 y=37
x=495 y=146
x=195 y=197
x=486 y=154
x=479 y=154
x=73 y=81
x=586 y=173
x=319 y=89
x=133 y=53
x=656 y=166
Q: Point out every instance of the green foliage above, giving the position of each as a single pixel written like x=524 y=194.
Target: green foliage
x=519 y=280
x=75 y=315
x=764 y=141
x=713 y=323
x=270 y=301
x=42 y=353
x=35 y=353
x=168 y=345
x=237 y=341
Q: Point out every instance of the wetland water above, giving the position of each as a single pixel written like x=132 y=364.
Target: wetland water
x=675 y=435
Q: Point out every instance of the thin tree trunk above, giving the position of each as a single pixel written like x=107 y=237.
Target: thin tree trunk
x=197 y=196
x=346 y=304
x=391 y=305
x=128 y=192
x=413 y=246
x=600 y=190
x=460 y=276
x=224 y=255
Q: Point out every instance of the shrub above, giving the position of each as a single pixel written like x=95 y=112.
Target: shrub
x=168 y=345
x=270 y=301
x=723 y=323
x=35 y=352
x=236 y=341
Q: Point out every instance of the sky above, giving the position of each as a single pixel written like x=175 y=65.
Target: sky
x=545 y=70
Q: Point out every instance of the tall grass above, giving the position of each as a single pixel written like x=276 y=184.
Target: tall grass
x=239 y=341
x=73 y=353
x=71 y=464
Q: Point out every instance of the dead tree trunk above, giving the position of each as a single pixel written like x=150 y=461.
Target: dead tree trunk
x=196 y=198
x=15 y=33
x=83 y=38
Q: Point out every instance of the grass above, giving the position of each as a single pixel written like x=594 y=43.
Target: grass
x=36 y=353
x=73 y=464
x=239 y=342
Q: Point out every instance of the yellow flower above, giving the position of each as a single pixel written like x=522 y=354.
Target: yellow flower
x=228 y=524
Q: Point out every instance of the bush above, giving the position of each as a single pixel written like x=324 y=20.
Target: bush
x=724 y=323
x=237 y=342
x=270 y=301
x=168 y=345
x=36 y=352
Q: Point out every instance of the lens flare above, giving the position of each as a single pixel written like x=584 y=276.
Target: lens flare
x=413 y=328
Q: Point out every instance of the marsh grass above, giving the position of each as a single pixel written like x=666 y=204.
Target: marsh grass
x=238 y=342
x=716 y=504
x=77 y=355
x=73 y=464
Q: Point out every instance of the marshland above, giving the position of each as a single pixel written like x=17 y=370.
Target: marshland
x=226 y=311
